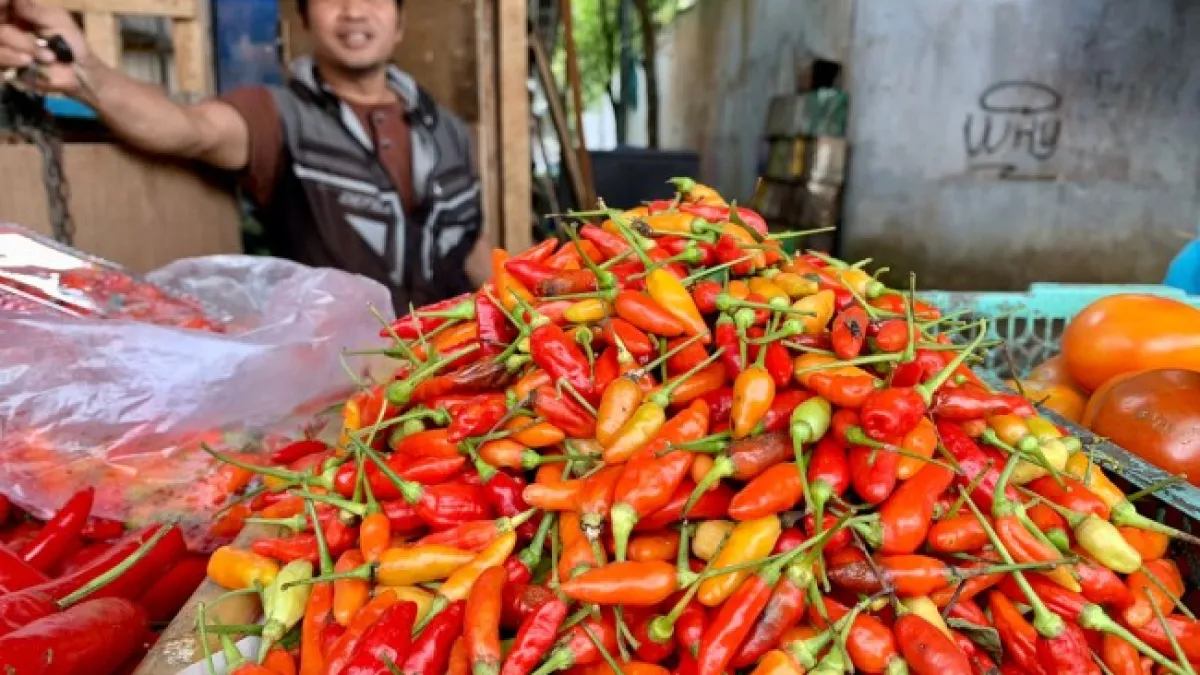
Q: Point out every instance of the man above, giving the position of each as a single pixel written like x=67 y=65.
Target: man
x=351 y=165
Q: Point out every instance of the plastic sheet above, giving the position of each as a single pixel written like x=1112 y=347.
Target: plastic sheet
x=124 y=406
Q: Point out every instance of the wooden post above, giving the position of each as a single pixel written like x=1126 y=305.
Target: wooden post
x=573 y=81
x=488 y=152
x=103 y=33
x=558 y=116
x=513 y=99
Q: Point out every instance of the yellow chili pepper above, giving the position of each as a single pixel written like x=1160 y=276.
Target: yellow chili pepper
x=1042 y=428
x=753 y=394
x=795 y=285
x=641 y=428
x=1104 y=542
x=857 y=280
x=459 y=584
x=926 y=609
x=671 y=294
x=1094 y=479
x=750 y=540
x=698 y=193
x=767 y=288
x=237 y=569
x=820 y=307
x=419 y=564
x=586 y=311
x=706 y=540
x=422 y=598
x=1056 y=454
x=617 y=406
x=283 y=602
x=672 y=222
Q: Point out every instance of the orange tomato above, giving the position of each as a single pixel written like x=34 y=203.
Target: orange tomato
x=1154 y=414
x=1130 y=332
x=1051 y=371
x=1062 y=398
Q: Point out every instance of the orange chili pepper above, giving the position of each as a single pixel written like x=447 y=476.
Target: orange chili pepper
x=1145 y=591
x=921 y=442
x=460 y=662
x=482 y=626
x=504 y=453
x=534 y=434
x=560 y=496
x=318 y=613
x=1151 y=545
x=701 y=465
x=279 y=661
x=639 y=584
x=508 y=289
x=658 y=545
x=284 y=508
x=777 y=662
x=340 y=653
x=753 y=393
x=349 y=595
x=596 y=497
x=710 y=379
x=1123 y=658
x=617 y=406
x=530 y=381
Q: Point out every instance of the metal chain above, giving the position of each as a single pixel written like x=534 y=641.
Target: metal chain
x=26 y=113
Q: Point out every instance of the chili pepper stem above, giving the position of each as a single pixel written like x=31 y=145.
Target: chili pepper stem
x=1092 y=617
x=1179 y=653
x=1124 y=513
x=689 y=280
x=1154 y=487
x=117 y=570
x=927 y=389
x=1032 y=448
x=273 y=472
x=1048 y=624
x=722 y=468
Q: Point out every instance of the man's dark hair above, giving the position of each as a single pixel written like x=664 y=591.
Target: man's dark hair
x=303 y=6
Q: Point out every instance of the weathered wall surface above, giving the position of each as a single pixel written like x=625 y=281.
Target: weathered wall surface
x=993 y=142
x=721 y=63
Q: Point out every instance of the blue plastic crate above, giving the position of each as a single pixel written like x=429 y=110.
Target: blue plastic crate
x=1032 y=323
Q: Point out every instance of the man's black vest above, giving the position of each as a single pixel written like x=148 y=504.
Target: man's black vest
x=337 y=206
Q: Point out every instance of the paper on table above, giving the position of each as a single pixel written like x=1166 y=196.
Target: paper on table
x=248 y=646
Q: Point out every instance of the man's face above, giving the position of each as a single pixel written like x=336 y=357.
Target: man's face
x=355 y=35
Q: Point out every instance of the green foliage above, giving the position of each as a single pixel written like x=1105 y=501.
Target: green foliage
x=597 y=43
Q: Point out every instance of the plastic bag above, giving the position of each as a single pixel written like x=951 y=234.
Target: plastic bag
x=125 y=406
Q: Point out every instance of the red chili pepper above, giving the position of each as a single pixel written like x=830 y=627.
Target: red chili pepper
x=1100 y=584
x=969 y=402
x=927 y=650
x=576 y=647
x=981 y=662
x=56 y=539
x=561 y=357
x=503 y=492
x=972 y=461
x=635 y=340
x=1067 y=653
x=905 y=517
x=709 y=212
x=411 y=326
x=712 y=504
x=388 y=640
x=891 y=336
x=848 y=332
x=430 y=652
x=704 y=293
x=535 y=637
x=968 y=610
x=533 y=274
x=477 y=418
x=728 y=250
x=1063 y=602
x=609 y=244
x=444 y=506
x=690 y=355
x=564 y=412
x=495 y=331
x=644 y=313
x=16 y=574
x=871 y=645
x=783 y=610
x=1018 y=636
x=296 y=450
x=163 y=600
x=778 y=363
x=925 y=365
x=1071 y=494
x=96 y=636
x=725 y=336
x=1185 y=631
x=835 y=543
x=520 y=601
x=872 y=472
x=828 y=470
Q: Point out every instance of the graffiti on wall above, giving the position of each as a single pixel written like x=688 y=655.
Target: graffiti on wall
x=1015 y=129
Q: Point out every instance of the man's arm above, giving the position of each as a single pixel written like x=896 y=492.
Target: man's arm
x=479 y=261
x=137 y=113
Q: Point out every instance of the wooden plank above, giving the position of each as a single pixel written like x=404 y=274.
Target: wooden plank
x=573 y=82
x=134 y=210
x=193 y=62
x=179 y=645
x=558 y=117
x=103 y=34
x=513 y=99
x=487 y=155
x=170 y=8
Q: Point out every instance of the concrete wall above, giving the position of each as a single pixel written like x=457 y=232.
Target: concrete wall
x=994 y=142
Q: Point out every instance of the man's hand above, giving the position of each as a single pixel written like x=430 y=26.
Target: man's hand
x=22 y=22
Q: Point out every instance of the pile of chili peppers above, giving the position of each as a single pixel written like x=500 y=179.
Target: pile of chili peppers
x=664 y=445
x=80 y=594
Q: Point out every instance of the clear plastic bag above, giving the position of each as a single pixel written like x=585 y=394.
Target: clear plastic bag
x=125 y=406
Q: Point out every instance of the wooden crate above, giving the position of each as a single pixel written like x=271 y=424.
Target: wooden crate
x=190 y=37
